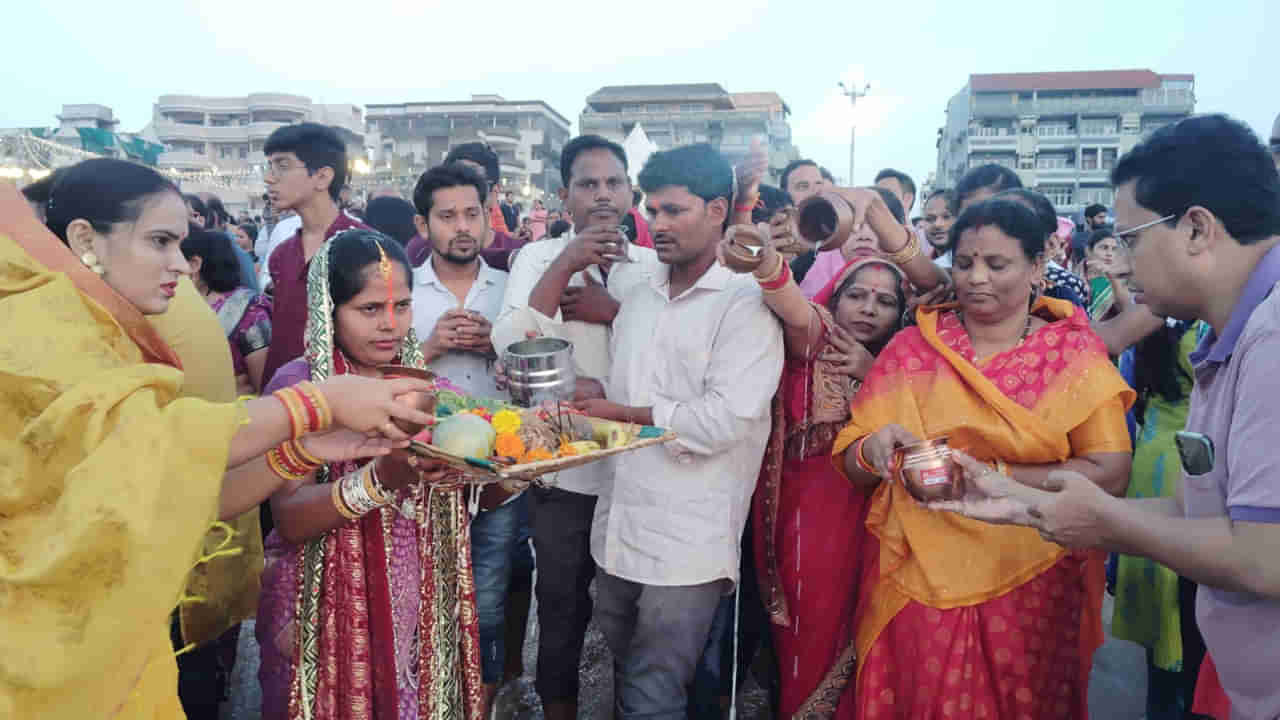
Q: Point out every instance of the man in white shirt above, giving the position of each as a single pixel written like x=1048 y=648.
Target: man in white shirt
x=569 y=287
x=697 y=351
x=456 y=297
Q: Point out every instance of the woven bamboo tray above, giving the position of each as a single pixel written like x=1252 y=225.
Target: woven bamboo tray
x=484 y=471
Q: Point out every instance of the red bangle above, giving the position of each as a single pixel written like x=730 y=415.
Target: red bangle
x=783 y=278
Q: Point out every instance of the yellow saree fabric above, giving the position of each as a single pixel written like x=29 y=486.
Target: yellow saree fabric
x=223 y=590
x=107 y=483
x=944 y=560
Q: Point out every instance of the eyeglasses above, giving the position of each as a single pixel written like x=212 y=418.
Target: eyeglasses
x=279 y=167
x=1124 y=235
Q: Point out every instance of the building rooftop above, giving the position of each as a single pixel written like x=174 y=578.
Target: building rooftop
x=653 y=93
x=1090 y=80
x=759 y=99
x=475 y=100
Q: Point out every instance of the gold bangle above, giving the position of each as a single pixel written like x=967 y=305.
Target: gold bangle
x=908 y=251
x=335 y=494
x=298 y=423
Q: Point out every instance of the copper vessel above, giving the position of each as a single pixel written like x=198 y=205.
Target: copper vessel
x=825 y=219
x=424 y=401
x=744 y=249
x=927 y=471
x=786 y=238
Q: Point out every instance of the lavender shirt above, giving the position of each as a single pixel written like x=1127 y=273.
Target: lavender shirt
x=1236 y=402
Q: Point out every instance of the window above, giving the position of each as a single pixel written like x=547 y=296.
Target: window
x=632 y=108
x=1058 y=194
x=655 y=108
x=1109 y=158
x=1098 y=126
x=1103 y=196
x=692 y=107
x=1053 y=129
x=1052 y=162
x=1089 y=159
x=244 y=152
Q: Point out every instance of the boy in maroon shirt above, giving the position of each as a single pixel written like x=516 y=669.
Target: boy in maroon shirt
x=306 y=170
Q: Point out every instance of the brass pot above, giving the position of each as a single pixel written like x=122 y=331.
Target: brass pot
x=825 y=219
x=418 y=400
x=744 y=249
x=928 y=472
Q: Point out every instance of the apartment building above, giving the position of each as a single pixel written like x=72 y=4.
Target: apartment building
x=1061 y=131
x=528 y=135
x=204 y=134
x=673 y=115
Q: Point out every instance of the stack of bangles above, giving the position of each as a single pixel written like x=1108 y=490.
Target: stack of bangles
x=777 y=279
x=359 y=493
x=908 y=251
x=308 y=410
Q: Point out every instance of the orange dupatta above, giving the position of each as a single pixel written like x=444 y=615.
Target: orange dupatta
x=1060 y=379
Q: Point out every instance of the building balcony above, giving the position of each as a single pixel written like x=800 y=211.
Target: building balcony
x=184 y=160
x=591 y=118
x=1007 y=106
x=168 y=131
x=990 y=142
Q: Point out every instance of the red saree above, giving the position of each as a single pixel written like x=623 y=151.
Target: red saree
x=958 y=618
x=808 y=529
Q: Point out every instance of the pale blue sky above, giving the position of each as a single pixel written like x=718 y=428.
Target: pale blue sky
x=916 y=55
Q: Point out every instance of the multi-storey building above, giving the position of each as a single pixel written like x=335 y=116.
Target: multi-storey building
x=674 y=115
x=1061 y=131
x=227 y=133
x=407 y=138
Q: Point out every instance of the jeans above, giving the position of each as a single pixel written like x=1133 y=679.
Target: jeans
x=499 y=538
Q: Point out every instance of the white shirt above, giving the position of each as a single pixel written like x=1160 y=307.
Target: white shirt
x=473 y=373
x=590 y=341
x=708 y=363
x=283 y=230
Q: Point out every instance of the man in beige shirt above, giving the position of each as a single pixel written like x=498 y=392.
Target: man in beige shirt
x=695 y=350
x=569 y=287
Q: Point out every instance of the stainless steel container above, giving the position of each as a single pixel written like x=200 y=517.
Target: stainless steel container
x=539 y=371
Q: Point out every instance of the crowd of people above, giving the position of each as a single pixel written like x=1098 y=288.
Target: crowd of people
x=199 y=433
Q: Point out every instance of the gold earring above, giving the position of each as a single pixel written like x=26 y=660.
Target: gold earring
x=90 y=261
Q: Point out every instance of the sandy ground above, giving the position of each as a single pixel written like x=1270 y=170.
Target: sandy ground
x=1117 y=689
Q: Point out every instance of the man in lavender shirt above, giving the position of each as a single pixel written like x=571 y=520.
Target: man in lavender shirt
x=1198 y=204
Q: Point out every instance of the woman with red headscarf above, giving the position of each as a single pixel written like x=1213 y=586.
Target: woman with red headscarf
x=807 y=520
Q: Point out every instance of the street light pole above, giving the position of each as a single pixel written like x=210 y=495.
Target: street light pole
x=853 y=96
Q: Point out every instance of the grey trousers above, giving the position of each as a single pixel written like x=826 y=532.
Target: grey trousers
x=656 y=634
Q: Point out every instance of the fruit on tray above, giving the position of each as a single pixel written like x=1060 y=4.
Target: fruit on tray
x=465 y=435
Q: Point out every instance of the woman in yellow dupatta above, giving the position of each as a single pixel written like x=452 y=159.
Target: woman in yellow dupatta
x=958 y=618
x=109 y=479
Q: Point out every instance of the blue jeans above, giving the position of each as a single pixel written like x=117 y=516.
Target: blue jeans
x=498 y=538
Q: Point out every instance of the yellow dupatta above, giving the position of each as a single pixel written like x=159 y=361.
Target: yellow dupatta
x=107 y=485
x=943 y=560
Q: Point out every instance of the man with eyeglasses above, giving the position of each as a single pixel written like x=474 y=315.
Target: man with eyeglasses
x=306 y=169
x=1198 y=205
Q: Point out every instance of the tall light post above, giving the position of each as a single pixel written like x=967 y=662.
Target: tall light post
x=853 y=96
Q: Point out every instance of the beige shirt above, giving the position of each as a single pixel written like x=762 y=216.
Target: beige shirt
x=708 y=362
x=590 y=341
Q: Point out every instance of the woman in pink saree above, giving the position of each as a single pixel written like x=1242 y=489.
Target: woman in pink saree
x=372 y=617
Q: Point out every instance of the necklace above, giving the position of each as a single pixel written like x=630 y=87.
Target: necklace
x=1026 y=331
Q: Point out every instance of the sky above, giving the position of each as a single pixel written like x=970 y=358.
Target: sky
x=915 y=56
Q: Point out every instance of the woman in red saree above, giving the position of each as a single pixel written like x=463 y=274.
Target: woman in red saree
x=368 y=618
x=958 y=618
x=807 y=519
